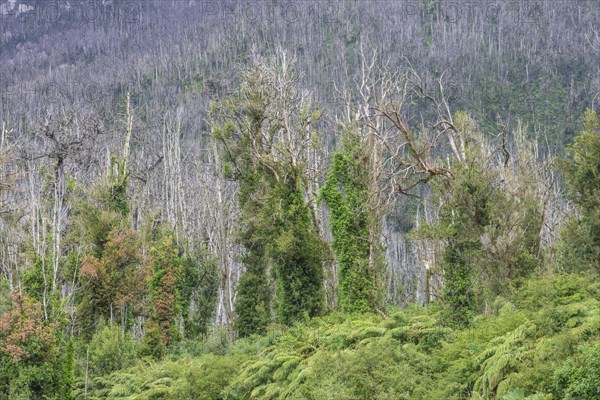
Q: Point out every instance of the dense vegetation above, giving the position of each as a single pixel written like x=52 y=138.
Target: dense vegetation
x=538 y=342
x=307 y=206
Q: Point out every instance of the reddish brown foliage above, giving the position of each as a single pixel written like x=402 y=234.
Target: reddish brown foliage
x=22 y=328
x=165 y=305
x=116 y=278
x=165 y=264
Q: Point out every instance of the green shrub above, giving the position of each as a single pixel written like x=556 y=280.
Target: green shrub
x=537 y=344
x=109 y=350
x=579 y=378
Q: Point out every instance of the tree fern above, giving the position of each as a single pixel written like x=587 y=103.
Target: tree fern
x=499 y=360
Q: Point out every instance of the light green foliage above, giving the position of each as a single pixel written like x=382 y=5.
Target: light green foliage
x=109 y=350
x=538 y=343
x=581 y=236
x=340 y=358
x=522 y=345
x=579 y=378
x=501 y=358
x=410 y=355
x=490 y=217
x=346 y=194
x=185 y=379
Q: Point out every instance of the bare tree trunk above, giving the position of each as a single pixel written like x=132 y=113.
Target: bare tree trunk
x=173 y=187
x=42 y=254
x=222 y=248
x=57 y=213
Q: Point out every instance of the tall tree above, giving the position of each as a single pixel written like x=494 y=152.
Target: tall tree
x=490 y=202
x=346 y=193
x=580 y=248
x=166 y=268
x=266 y=130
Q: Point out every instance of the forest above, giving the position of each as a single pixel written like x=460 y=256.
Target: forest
x=299 y=200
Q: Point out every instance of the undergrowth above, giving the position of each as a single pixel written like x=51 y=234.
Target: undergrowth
x=541 y=342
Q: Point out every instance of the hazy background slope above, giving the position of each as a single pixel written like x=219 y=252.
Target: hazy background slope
x=66 y=66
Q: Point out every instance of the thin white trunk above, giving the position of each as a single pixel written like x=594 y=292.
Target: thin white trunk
x=226 y=278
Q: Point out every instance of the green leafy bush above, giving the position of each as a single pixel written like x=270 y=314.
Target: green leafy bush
x=109 y=350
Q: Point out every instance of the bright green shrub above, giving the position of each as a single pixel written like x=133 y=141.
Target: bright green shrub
x=579 y=378
x=109 y=350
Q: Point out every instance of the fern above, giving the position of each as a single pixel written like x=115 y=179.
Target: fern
x=498 y=361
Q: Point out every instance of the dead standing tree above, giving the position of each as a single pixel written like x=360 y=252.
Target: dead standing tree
x=400 y=159
x=64 y=138
x=412 y=154
x=11 y=211
x=416 y=153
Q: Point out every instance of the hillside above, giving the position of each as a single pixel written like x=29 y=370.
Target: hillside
x=311 y=199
